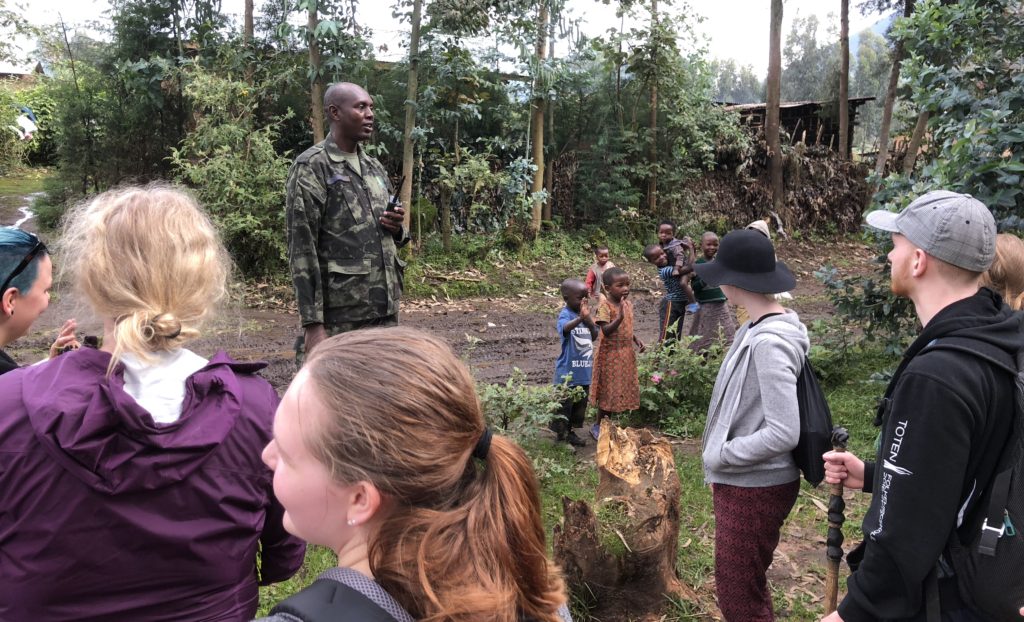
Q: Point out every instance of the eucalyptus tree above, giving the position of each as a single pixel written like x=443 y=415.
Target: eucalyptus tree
x=773 y=89
x=333 y=45
x=844 y=78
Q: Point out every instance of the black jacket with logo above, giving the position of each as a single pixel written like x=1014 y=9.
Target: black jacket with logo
x=944 y=420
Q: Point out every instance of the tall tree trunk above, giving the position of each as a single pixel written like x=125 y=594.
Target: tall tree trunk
x=773 y=88
x=317 y=91
x=652 y=155
x=618 y=76
x=915 y=142
x=247 y=36
x=549 y=161
x=844 y=79
x=890 y=98
x=446 y=198
x=537 y=120
x=410 y=111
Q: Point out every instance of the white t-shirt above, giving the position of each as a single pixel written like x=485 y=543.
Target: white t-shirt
x=159 y=387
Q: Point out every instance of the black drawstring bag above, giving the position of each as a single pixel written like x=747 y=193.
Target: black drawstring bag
x=815 y=426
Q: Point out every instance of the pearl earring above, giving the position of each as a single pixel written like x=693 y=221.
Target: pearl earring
x=351 y=522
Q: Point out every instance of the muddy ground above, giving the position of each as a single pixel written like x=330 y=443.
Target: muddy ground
x=495 y=335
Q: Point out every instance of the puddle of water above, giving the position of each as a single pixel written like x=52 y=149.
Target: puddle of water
x=26 y=209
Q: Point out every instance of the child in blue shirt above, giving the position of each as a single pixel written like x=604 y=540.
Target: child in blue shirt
x=675 y=302
x=577 y=330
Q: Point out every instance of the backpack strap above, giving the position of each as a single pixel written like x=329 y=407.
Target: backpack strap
x=328 y=600
x=981 y=349
x=992 y=528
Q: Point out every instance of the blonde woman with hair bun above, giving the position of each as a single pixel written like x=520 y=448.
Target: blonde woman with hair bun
x=131 y=477
x=1006 y=275
x=381 y=453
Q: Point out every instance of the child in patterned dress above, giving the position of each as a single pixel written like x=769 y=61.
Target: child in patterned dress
x=614 y=386
x=595 y=273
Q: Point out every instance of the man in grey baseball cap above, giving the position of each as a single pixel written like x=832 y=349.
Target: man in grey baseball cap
x=944 y=417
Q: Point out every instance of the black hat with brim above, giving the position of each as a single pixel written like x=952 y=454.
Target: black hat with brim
x=746 y=259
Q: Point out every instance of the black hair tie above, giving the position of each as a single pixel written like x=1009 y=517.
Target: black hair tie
x=483 y=445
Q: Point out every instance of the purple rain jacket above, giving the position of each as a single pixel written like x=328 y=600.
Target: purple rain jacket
x=106 y=515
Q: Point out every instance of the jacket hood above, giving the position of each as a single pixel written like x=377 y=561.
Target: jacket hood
x=99 y=434
x=785 y=325
x=982 y=316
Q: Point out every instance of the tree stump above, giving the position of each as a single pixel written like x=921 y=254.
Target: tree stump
x=621 y=558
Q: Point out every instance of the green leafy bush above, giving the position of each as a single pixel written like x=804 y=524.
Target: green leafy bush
x=964 y=68
x=868 y=303
x=519 y=409
x=12 y=148
x=234 y=169
x=676 y=385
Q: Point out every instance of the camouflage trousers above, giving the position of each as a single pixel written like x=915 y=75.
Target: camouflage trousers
x=341 y=327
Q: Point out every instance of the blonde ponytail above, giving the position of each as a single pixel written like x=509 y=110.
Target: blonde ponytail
x=150 y=259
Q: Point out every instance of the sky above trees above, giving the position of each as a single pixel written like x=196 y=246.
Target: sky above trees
x=741 y=35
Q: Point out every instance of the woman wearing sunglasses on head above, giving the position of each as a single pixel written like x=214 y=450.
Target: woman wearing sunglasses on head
x=27 y=275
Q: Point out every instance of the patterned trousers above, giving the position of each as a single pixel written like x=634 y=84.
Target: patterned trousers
x=748 y=522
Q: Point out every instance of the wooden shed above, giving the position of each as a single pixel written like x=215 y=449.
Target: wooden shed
x=810 y=122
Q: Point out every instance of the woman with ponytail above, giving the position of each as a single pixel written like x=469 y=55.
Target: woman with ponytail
x=130 y=474
x=1006 y=275
x=381 y=453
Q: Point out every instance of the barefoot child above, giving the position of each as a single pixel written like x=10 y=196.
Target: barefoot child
x=672 y=318
x=614 y=387
x=680 y=254
x=578 y=331
x=596 y=271
x=714 y=317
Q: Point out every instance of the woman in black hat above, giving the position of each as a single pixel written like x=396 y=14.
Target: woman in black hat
x=753 y=423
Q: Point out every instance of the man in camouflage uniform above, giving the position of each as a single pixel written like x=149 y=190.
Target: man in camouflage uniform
x=342 y=241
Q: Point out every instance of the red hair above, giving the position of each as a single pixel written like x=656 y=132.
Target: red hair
x=461 y=539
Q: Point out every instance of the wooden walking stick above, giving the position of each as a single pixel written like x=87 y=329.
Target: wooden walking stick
x=836 y=518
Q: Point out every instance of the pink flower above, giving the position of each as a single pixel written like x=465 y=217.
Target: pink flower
x=656 y=378
x=673 y=372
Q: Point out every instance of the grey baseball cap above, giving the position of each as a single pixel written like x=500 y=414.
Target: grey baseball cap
x=953 y=227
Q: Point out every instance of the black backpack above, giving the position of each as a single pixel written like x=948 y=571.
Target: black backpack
x=327 y=600
x=990 y=566
x=815 y=426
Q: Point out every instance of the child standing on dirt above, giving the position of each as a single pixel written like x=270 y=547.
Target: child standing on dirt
x=672 y=319
x=714 y=318
x=575 y=362
x=601 y=263
x=680 y=254
x=614 y=387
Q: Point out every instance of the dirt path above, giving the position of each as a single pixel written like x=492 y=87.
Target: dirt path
x=493 y=334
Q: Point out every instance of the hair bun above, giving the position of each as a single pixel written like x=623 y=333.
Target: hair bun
x=165 y=326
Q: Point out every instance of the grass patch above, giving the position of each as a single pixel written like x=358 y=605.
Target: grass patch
x=318 y=559
x=561 y=474
x=23 y=181
x=696 y=560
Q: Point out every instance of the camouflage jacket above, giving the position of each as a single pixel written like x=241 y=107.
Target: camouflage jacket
x=344 y=265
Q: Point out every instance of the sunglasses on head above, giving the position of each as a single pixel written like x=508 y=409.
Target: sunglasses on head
x=32 y=254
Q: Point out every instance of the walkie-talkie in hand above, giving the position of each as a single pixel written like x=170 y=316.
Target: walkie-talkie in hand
x=394 y=200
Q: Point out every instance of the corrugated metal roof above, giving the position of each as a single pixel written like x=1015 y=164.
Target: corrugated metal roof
x=743 y=107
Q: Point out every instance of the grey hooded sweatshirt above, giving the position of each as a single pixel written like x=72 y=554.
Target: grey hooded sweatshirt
x=753 y=418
